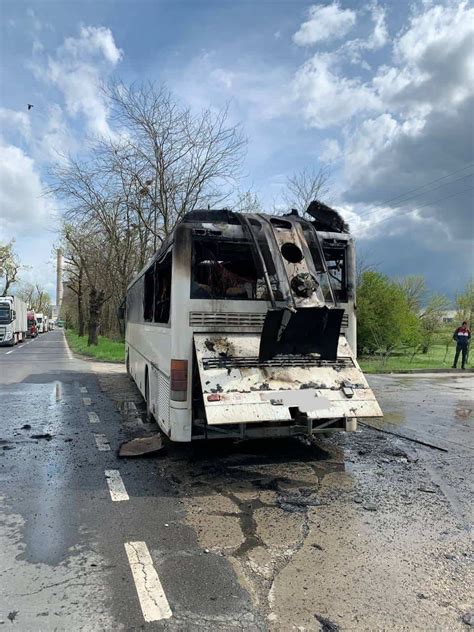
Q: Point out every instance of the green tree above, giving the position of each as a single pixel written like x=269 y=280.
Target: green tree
x=385 y=319
x=9 y=267
x=432 y=320
x=465 y=304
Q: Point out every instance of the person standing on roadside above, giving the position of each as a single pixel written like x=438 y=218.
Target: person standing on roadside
x=461 y=336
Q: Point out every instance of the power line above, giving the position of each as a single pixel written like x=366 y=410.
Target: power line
x=412 y=197
x=418 y=208
x=468 y=166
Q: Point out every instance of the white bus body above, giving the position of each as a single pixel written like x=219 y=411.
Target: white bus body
x=40 y=323
x=13 y=320
x=233 y=329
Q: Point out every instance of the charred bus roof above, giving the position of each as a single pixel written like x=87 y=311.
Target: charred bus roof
x=325 y=219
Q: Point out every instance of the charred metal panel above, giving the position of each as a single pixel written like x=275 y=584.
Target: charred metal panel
x=307 y=330
x=234 y=391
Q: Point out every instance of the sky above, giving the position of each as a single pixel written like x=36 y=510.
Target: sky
x=379 y=93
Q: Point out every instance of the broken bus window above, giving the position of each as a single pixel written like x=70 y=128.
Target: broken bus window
x=225 y=268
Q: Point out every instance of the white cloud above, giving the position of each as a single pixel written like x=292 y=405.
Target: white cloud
x=93 y=40
x=12 y=122
x=327 y=96
x=330 y=151
x=24 y=206
x=407 y=124
x=326 y=22
x=377 y=38
x=77 y=69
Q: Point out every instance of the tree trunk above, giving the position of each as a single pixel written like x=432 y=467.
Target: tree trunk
x=80 y=308
x=96 y=300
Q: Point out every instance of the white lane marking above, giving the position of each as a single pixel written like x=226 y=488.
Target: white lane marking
x=83 y=389
x=102 y=442
x=116 y=486
x=68 y=350
x=150 y=592
x=8 y=352
x=93 y=418
x=86 y=401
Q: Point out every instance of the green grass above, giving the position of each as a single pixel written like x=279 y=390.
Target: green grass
x=107 y=349
x=436 y=358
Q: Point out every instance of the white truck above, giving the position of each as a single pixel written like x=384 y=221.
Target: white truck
x=13 y=320
x=41 y=323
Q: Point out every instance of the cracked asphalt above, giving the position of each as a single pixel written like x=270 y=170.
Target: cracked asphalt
x=364 y=531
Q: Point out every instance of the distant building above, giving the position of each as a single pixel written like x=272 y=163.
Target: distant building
x=449 y=315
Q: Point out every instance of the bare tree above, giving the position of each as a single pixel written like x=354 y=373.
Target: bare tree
x=414 y=288
x=171 y=159
x=94 y=252
x=9 y=266
x=35 y=296
x=304 y=186
x=162 y=161
x=247 y=202
x=75 y=282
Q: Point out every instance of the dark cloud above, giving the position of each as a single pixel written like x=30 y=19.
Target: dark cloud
x=443 y=147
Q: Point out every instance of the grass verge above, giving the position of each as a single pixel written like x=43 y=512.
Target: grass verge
x=107 y=350
x=436 y=358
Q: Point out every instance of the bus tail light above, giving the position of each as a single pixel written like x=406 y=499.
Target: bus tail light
x=179 y=380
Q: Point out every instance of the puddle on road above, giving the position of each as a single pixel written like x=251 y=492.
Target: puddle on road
x=426 y=407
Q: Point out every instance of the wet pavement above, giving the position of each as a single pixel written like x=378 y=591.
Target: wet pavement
x=351 y=532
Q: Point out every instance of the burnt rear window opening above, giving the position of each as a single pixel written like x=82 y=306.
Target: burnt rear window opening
x=336 y=258
x=337 y=280
x=228 y=269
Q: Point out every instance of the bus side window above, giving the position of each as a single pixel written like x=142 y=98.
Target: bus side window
x=163 y=290
x=148 y=298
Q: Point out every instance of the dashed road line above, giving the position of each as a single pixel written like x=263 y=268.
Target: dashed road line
x=86 y=401
x=150 y=592
x=93 y=418
x=116 y=486
x=102 y=442
x=8 y=352
x=83 y=389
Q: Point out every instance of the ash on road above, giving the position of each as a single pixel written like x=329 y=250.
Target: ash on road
x=362 y=531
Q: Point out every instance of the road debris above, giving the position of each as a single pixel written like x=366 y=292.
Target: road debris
x=296 y=503
x=397 y=434
x=26 y=427
x=141 y=446
x=326 y=624
x=468 y=618
x=395 y=451
x=45 y=435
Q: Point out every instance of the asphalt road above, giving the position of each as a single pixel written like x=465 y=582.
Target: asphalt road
x=63 y=560
x=212 y=538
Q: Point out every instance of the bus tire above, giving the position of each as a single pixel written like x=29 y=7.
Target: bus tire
x=127 y=364
x=148 y=413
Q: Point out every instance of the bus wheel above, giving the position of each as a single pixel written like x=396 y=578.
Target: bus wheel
x=148 y=413
x=127 y=364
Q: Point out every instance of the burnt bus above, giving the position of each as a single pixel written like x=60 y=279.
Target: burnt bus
x=244 y=325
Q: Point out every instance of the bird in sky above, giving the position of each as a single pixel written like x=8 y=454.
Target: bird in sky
x=30 y=105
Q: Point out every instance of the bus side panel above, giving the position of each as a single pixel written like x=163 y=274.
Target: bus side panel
x=181 y=333
x=148 y=346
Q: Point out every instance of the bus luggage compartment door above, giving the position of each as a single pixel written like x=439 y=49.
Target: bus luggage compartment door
x=237 y=388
